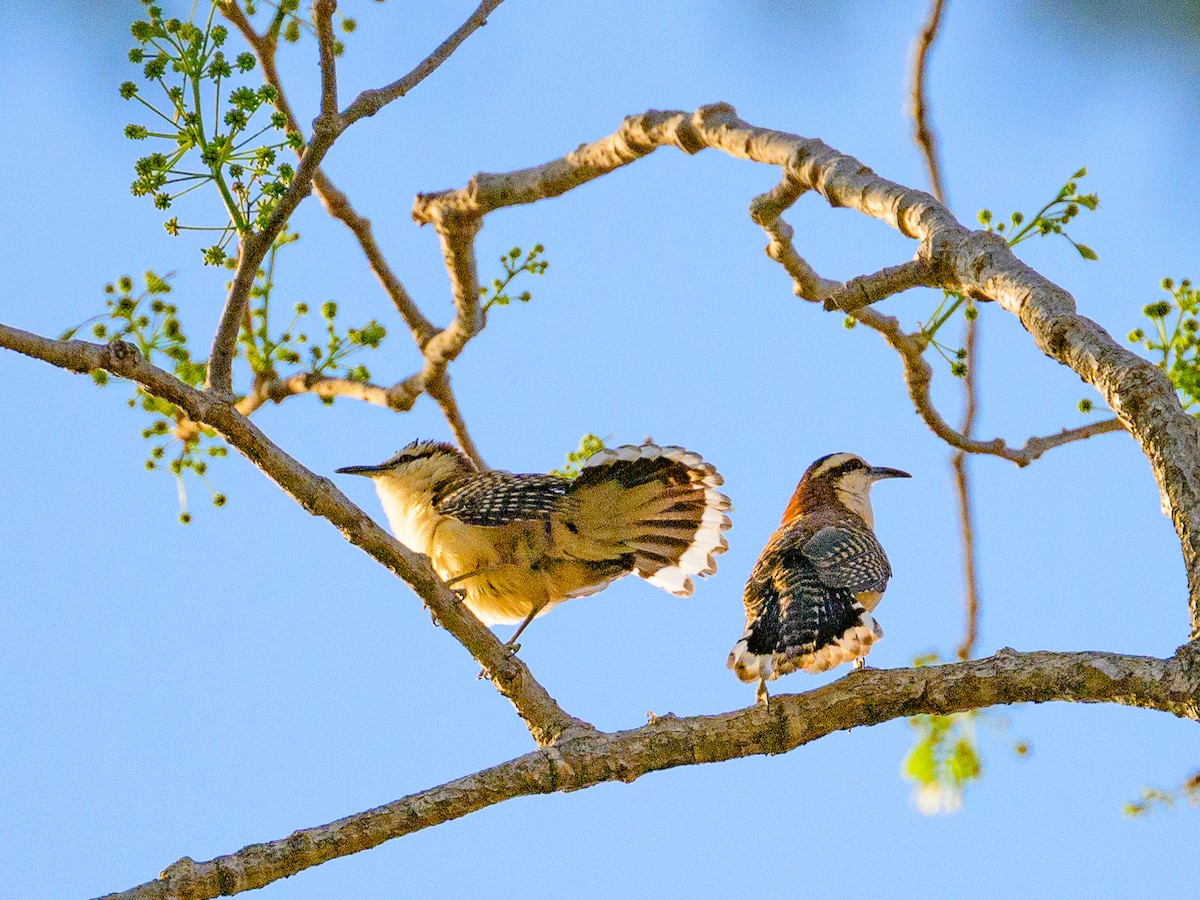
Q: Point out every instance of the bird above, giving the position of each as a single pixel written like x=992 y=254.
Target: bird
x=810 y=597
x=516 y=546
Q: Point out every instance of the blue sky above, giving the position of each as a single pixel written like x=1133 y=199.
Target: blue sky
x=175 y=690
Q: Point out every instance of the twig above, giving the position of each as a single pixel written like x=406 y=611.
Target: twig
x=441 y=391
x=866 y=290
x=370 y=102
x=323 y=11
x=923 y=133
x=866 y=698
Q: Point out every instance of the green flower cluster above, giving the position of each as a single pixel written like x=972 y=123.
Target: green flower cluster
x=211 y=126
x=266 y=350
x=1050 y=219
x=1172 y=335
x=514 y=265
x=286 y=24
x=151 y=323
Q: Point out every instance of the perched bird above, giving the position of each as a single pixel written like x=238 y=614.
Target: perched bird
x=810 y=597
x=515 y=546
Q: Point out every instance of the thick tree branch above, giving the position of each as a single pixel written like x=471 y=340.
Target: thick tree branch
x=861 y=699
x=545 y=719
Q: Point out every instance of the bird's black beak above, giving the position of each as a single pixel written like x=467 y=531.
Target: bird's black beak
x=359 y=470
x=877 y=472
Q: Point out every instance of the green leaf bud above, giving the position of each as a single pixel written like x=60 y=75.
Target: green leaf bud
x=329 y=310
x=185 y=518
x=958 y=370
x=1085 y=405
x=985 y=216
x=128 y=90
x=219 y=500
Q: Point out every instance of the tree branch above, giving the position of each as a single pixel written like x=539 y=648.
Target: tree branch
x=544 y=717
x=860 y=699
x=923 y=133
x=370 y=102
x=323 y=11
x=441 y=391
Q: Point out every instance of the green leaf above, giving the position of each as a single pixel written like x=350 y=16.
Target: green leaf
x=963 y=762
x=1085 y=251
x=921 y=765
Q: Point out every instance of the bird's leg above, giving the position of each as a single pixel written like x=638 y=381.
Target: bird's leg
x=451 y=582
x=761 y=694
x=511 y=643
x=511 y=646
x=859 y=662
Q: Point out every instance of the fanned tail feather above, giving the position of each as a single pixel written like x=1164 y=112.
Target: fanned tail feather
x=669 y=512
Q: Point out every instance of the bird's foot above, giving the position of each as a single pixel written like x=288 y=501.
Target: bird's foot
x=761 y=695
x=509 y=650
